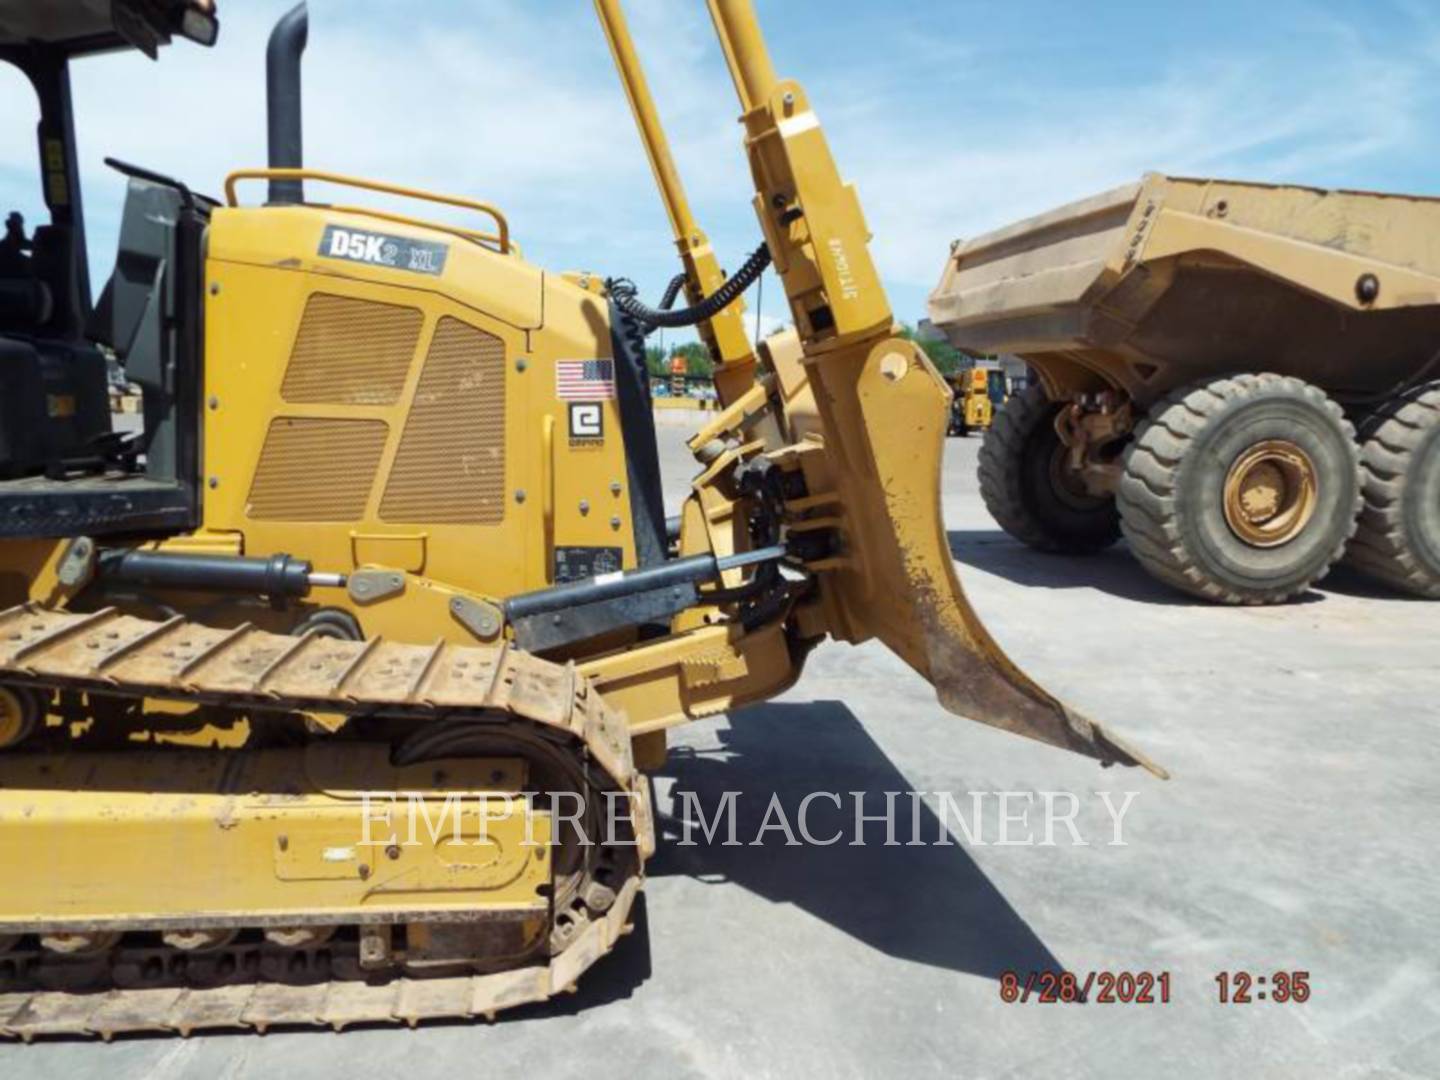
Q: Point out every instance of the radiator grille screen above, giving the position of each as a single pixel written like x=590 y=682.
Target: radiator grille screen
x=351 y=352
x=316 y=470
x=450 y=468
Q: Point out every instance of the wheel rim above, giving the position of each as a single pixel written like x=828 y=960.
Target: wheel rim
x=1271 y=493
x=200 y=941
x=17 y=716
x=299 y=937
x=1067 y=485
x=80 y=945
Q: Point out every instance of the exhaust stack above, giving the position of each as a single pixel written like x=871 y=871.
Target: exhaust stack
x=282 y=101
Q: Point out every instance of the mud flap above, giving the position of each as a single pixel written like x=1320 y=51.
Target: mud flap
x=885 y=424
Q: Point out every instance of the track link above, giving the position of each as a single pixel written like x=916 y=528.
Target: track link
x=113 y=654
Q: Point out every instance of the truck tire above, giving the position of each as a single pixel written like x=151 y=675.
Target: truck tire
x=1025 y=490
x=1241 y=490
x=1398 y=542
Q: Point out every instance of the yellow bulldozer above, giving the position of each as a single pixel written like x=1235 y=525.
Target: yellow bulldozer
x=391 y=542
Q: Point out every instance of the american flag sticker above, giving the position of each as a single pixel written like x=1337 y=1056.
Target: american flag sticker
x=585 y=380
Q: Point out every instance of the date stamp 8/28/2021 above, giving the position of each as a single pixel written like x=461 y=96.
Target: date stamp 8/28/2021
x=1148 y=987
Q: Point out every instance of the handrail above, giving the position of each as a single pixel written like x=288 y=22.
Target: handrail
x=502 y=226
x=489 y=240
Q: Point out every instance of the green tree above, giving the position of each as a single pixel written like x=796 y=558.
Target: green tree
x=946 y=358
x=655 y=361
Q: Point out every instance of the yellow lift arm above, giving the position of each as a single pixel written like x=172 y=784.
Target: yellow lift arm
x=884 y=411
x=724 y=333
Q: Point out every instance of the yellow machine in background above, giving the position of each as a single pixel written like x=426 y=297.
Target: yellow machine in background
x=1239 y=378
x=979 y=391
x=395 y=527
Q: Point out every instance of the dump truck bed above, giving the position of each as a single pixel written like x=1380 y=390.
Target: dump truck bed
x=1170 y=279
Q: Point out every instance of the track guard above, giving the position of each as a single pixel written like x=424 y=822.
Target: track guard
x=885 y=415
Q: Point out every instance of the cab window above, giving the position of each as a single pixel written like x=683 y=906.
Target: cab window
x=22 y=204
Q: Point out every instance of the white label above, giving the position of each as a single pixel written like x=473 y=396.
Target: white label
x=587 y=420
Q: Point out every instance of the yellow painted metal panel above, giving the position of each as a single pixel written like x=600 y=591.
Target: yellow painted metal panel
x=451 y=463
x=316 y=469
x=159 y=837
x=256 y=305
x=351 y=351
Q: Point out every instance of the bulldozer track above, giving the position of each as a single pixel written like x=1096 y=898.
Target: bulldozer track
x=111 y=653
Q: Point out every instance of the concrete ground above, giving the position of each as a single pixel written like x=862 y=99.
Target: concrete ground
x=1296 y=834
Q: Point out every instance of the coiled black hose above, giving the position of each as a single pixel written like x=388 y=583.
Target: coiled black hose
x=624 y=294
x=672 y=291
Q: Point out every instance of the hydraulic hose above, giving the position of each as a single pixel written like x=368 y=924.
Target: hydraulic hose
x=672 y=291
x=623 y=293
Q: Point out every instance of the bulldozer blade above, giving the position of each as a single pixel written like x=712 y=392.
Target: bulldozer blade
x=885 y=415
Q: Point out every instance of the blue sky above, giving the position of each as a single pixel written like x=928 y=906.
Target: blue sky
x=953 y=118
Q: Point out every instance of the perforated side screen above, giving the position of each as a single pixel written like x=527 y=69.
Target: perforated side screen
x=316 y=470
x=351 y=352
x=450 y=468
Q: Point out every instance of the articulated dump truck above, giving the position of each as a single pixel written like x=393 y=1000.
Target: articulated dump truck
x=392 y=538
x=1243 y=379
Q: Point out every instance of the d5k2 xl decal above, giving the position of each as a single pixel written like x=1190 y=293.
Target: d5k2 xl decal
x=382 y=249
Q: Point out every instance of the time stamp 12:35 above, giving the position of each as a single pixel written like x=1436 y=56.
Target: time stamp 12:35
x=1148 y=987
x=1242 y=987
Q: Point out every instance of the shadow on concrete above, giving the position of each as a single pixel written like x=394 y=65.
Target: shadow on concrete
x=1347 y=581
x=1114 y=571
x=929 y=904
x=613 y=978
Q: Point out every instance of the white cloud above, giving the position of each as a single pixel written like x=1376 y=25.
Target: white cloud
x=501 y=101
x=769 y=324
x=953 y=156
x=455 y=110
x=518 y=104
